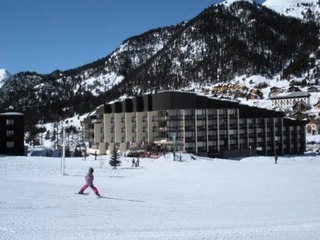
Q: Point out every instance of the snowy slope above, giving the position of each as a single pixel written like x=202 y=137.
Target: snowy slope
x=294 y=8
x=4 y=75
x=162 y=199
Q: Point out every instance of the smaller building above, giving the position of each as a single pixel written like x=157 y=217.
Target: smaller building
x=287 y=100
x=12 y=133
x=313 y=126
x=317 y=105
x=313 y=89
x=301 y=106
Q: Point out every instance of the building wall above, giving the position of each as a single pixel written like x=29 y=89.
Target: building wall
x=12 y=134
x=288 y=102
x=141 y=127
x=119 y=129
x=130 y=124
x=152 y=126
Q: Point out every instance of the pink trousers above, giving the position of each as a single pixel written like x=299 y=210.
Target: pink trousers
x=92 y=187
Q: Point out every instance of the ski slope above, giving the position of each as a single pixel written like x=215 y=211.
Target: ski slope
x=162 y=199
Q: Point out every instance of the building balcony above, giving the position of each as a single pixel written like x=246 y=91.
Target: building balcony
x=202 y=139
x=202 y=149
x=233 y=136
x=162 y=129
x=201 y=117
x=233 y=146
x=189 y=117
x=233 y=116
x=190 y=139
x=201 y=128
x=189 y=128
x=212 y=137
x=176 y=118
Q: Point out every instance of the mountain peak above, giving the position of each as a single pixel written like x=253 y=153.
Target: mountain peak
x=4 y=75
x=229 y=2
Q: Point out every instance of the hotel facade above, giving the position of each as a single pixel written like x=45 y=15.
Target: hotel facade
x=188 y=122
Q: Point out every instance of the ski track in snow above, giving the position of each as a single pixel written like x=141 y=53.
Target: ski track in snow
x=201 y=199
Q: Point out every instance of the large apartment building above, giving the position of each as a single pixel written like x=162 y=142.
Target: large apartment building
x=193 y=123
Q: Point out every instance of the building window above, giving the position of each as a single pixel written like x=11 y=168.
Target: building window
x=163 y=114
x=9 y=122
x=201 y=112
x=10 y=133
x=10 y=144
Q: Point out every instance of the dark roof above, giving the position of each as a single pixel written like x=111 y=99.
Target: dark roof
x=170 y=100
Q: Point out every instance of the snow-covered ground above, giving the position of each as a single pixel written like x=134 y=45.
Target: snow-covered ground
x=162 y=199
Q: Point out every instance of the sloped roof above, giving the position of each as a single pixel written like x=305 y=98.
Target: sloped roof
x=290 y=95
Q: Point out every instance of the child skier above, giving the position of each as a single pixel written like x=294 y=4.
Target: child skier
x=89 y=183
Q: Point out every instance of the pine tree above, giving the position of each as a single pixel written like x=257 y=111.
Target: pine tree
x=114 y=160
x=77 y=151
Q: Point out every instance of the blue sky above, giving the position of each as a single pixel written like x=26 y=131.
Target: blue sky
x=42 y=36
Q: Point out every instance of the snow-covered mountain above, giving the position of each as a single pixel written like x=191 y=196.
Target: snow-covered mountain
x=4 y=75
x=303 y=9
x=233 y=42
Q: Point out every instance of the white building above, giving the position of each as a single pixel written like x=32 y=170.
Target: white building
x=287 y=100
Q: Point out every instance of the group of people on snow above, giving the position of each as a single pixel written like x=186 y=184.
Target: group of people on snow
x=135 y=163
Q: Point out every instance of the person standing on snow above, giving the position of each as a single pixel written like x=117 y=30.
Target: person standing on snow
x=89 y=183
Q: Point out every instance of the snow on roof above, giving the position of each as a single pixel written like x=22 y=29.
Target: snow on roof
x=11 y=113
x=290 y=95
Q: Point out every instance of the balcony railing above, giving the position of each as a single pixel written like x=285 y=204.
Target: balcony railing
x=190 y=139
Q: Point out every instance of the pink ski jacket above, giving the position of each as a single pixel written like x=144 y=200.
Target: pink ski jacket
x=89 y=179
